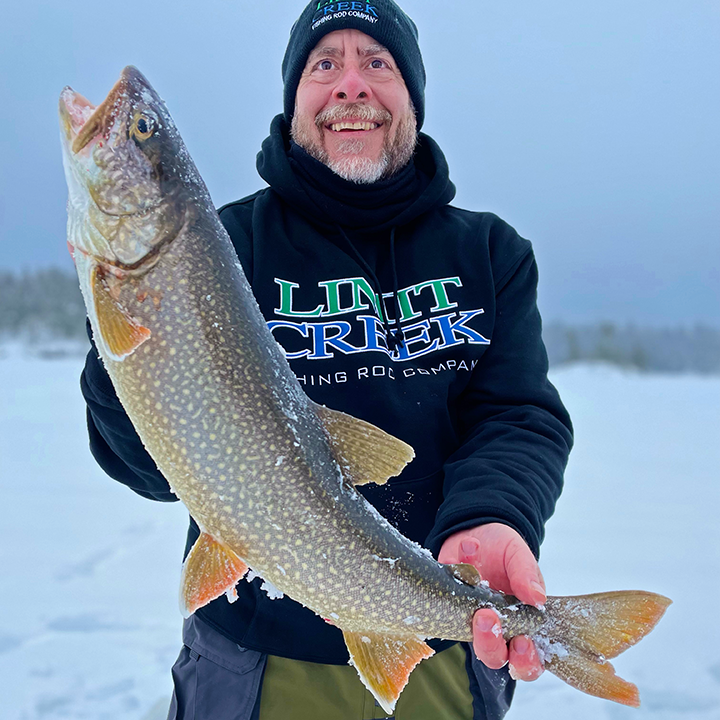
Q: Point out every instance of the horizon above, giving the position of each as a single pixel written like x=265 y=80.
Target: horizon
x=591 y=130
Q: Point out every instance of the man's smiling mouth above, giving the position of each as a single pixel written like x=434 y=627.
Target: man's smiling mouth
x=339 y=127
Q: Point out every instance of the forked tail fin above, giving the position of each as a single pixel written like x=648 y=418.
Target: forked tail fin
x=581 y=633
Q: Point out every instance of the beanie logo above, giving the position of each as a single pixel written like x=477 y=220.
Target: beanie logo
x=329 y=10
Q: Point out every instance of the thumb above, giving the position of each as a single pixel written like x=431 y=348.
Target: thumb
x=523 y=572
x=459 y=549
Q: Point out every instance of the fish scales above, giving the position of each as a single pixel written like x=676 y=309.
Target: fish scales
x=267 y=474
x=209 y=379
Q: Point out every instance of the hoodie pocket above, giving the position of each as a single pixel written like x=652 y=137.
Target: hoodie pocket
x=410 y=505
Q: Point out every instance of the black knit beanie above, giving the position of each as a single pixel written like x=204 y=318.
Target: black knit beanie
x=382 y=20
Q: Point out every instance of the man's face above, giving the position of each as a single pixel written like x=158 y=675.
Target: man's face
x=352 y=109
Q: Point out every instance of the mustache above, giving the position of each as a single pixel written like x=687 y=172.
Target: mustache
x=359 y=111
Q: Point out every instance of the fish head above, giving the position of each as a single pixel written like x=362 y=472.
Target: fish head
x=130 y=178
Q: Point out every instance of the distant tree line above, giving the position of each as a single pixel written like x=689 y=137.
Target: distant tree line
x=679 y=349
x=47 y=305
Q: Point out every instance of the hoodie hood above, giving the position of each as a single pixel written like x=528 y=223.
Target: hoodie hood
x=328 y=201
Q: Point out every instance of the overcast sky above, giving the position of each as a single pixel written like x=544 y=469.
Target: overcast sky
x=592 y=127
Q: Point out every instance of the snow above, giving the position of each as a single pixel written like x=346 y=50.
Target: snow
x=272 y=592
x=90 y=624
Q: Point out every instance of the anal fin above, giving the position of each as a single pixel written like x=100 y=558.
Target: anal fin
x=594 y=678
x=385 y=663
x=210 y=570
x=365 y=453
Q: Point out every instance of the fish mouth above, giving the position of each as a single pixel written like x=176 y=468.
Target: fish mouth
x=84 y=122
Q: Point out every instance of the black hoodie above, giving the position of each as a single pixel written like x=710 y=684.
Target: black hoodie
x=451 y=361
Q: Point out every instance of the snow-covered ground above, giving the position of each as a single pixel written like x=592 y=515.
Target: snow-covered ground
x=90 y=627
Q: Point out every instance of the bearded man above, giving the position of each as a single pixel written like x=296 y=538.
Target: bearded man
x=397 y=308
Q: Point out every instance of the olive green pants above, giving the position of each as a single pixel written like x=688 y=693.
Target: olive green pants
x=438 y=689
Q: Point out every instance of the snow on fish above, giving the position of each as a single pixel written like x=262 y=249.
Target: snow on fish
x=269 y=475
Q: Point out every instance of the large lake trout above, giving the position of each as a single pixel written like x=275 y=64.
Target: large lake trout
x=267 y=474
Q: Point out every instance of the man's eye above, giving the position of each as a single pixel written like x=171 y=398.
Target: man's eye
x=377 y=64
x=325 y=65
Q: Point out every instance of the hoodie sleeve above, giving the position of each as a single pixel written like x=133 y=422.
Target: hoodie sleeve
x=516 y=433
x=114 y=443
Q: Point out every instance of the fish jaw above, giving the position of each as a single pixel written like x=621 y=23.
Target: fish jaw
x=130 y=179
x=84 y=123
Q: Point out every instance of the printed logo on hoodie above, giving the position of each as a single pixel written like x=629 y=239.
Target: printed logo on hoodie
x=444 y=324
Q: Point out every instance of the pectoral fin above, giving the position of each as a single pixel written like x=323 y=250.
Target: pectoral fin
x=365 y=453
x=120 y=332
x=385 y=663
x=210 y=570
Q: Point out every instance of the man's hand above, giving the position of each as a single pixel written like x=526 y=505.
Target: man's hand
x=502 y=558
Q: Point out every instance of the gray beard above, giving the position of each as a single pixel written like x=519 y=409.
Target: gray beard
x=350 y=165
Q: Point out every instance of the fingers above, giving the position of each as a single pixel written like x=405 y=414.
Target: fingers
x=488 y=642
x=524 y=663
x=491 y=649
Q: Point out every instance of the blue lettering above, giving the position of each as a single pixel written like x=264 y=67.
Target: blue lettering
x=420 y=338
x=302 y=328
x=374 y=334
x=343 y=6
x=370 y=9
x=457 y=332
x=321 y=341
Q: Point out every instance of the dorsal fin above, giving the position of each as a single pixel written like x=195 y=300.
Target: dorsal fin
x=365 y=453
x=464 y=572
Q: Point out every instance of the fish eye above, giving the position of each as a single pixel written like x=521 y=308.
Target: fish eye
x=143 y=127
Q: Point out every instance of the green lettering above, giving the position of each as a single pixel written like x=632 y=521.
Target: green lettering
x=362 y=286
x=359 y=286
x=332 y=297
x=442 y=302
x=286 y=300
x=406 y=309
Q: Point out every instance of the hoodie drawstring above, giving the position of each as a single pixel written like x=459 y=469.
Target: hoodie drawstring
x=394 y=339
x=398 y=336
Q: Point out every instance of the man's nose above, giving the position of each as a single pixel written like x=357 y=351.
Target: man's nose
x=353 y=86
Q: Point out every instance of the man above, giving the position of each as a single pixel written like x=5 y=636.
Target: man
x=399 y=309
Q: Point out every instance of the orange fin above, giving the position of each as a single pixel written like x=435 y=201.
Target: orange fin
x=594 y=678
x=210 y=570
x=120 y=332
x=580 y=633
x=365 y=453
x=385 y=663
